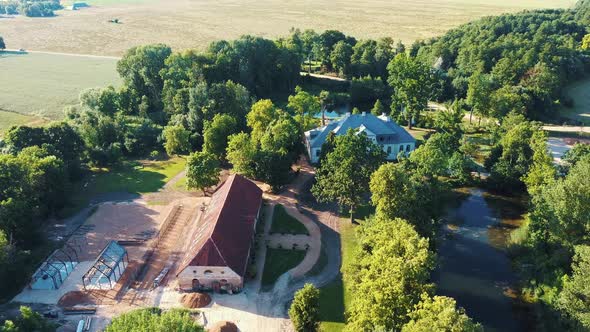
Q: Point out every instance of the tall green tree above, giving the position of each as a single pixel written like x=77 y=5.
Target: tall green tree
x=378 y=109
x=202 y=171
x=542 y=171
x=411 y=81
x=395 y=193
x=241 y=153
x=432 y=158
x=576 y=290
x=261 y=115
x=344 y=174
x=340 y=57
x=440 y=313
x=304 y=311
x=284 y=136
x=479 y=95
x=304 y=106
x=176 y=140
x=562 y=207
x=140 y=69
x=388 y=275
x=577 y=153
x=216 y=134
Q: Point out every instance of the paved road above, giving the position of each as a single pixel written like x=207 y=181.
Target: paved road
x=333 y=78
x=568 y=129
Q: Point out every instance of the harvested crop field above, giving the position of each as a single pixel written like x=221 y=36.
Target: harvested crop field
x=195 y=23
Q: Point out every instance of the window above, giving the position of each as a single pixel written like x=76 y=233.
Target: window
x=389 y=150
x=401 y=148
x=317 y=153
x=408 y=148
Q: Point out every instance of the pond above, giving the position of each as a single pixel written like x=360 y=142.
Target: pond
x=474 y=267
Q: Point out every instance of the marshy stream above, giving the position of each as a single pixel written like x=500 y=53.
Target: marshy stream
x=474 y=267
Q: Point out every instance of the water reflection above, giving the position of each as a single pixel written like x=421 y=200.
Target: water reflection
x=473 y=264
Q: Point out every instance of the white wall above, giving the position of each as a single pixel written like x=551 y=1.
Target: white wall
x=207 y=275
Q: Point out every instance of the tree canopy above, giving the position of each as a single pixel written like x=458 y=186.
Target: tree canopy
x=344 y=173
x=155 y=320
x=440 y=313
x=304 y=311
x=389 y=273
x=202 y=171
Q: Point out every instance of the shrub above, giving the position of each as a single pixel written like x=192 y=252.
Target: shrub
x=304 y=311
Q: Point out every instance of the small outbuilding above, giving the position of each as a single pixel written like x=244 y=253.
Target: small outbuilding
x=218 y=251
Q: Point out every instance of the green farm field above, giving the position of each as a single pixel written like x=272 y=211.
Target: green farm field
x=195 y=23
x=41 y=85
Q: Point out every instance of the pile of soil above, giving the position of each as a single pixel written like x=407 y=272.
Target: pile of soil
x=195 y=300
x=224 y=326
x=75 y=298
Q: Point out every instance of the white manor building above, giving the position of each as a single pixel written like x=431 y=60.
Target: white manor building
x=382 y=130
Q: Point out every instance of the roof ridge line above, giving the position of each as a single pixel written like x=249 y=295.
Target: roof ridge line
x=219 y=251
x=232 y=178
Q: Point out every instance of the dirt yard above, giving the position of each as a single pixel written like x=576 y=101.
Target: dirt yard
x=195 y=23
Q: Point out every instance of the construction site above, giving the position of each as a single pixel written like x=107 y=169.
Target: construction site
x=121 y=258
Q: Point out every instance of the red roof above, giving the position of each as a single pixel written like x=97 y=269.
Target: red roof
x=224 y=235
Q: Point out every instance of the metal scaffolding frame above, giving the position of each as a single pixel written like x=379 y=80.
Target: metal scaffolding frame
x=62 y=259
x=110 y=264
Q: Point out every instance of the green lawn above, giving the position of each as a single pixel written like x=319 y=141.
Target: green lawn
x=43 y=84
x=580 y=93
x=181 y=184
x=133 y=177
x=333 y=297
x=362 y=212
x=284 y=223
x=279 y=261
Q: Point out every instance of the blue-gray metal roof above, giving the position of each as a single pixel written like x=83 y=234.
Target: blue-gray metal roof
x=376 y=125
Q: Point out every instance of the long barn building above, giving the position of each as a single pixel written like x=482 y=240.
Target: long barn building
x=218 y=253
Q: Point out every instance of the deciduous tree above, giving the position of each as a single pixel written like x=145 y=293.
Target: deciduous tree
x=389 y=273
x=304 y=311
x=440 y=313
x=176 y=140
x=216 y=134
x=576 y=290
x=345 y=172
x=261 y=115
x=202 y=171
x=411 y=81
x=305 y=106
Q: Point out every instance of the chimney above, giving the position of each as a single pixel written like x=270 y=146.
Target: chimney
x=323 y=117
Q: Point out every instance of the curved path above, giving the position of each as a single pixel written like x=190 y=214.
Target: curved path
x=274 y=303
x=313 y=241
